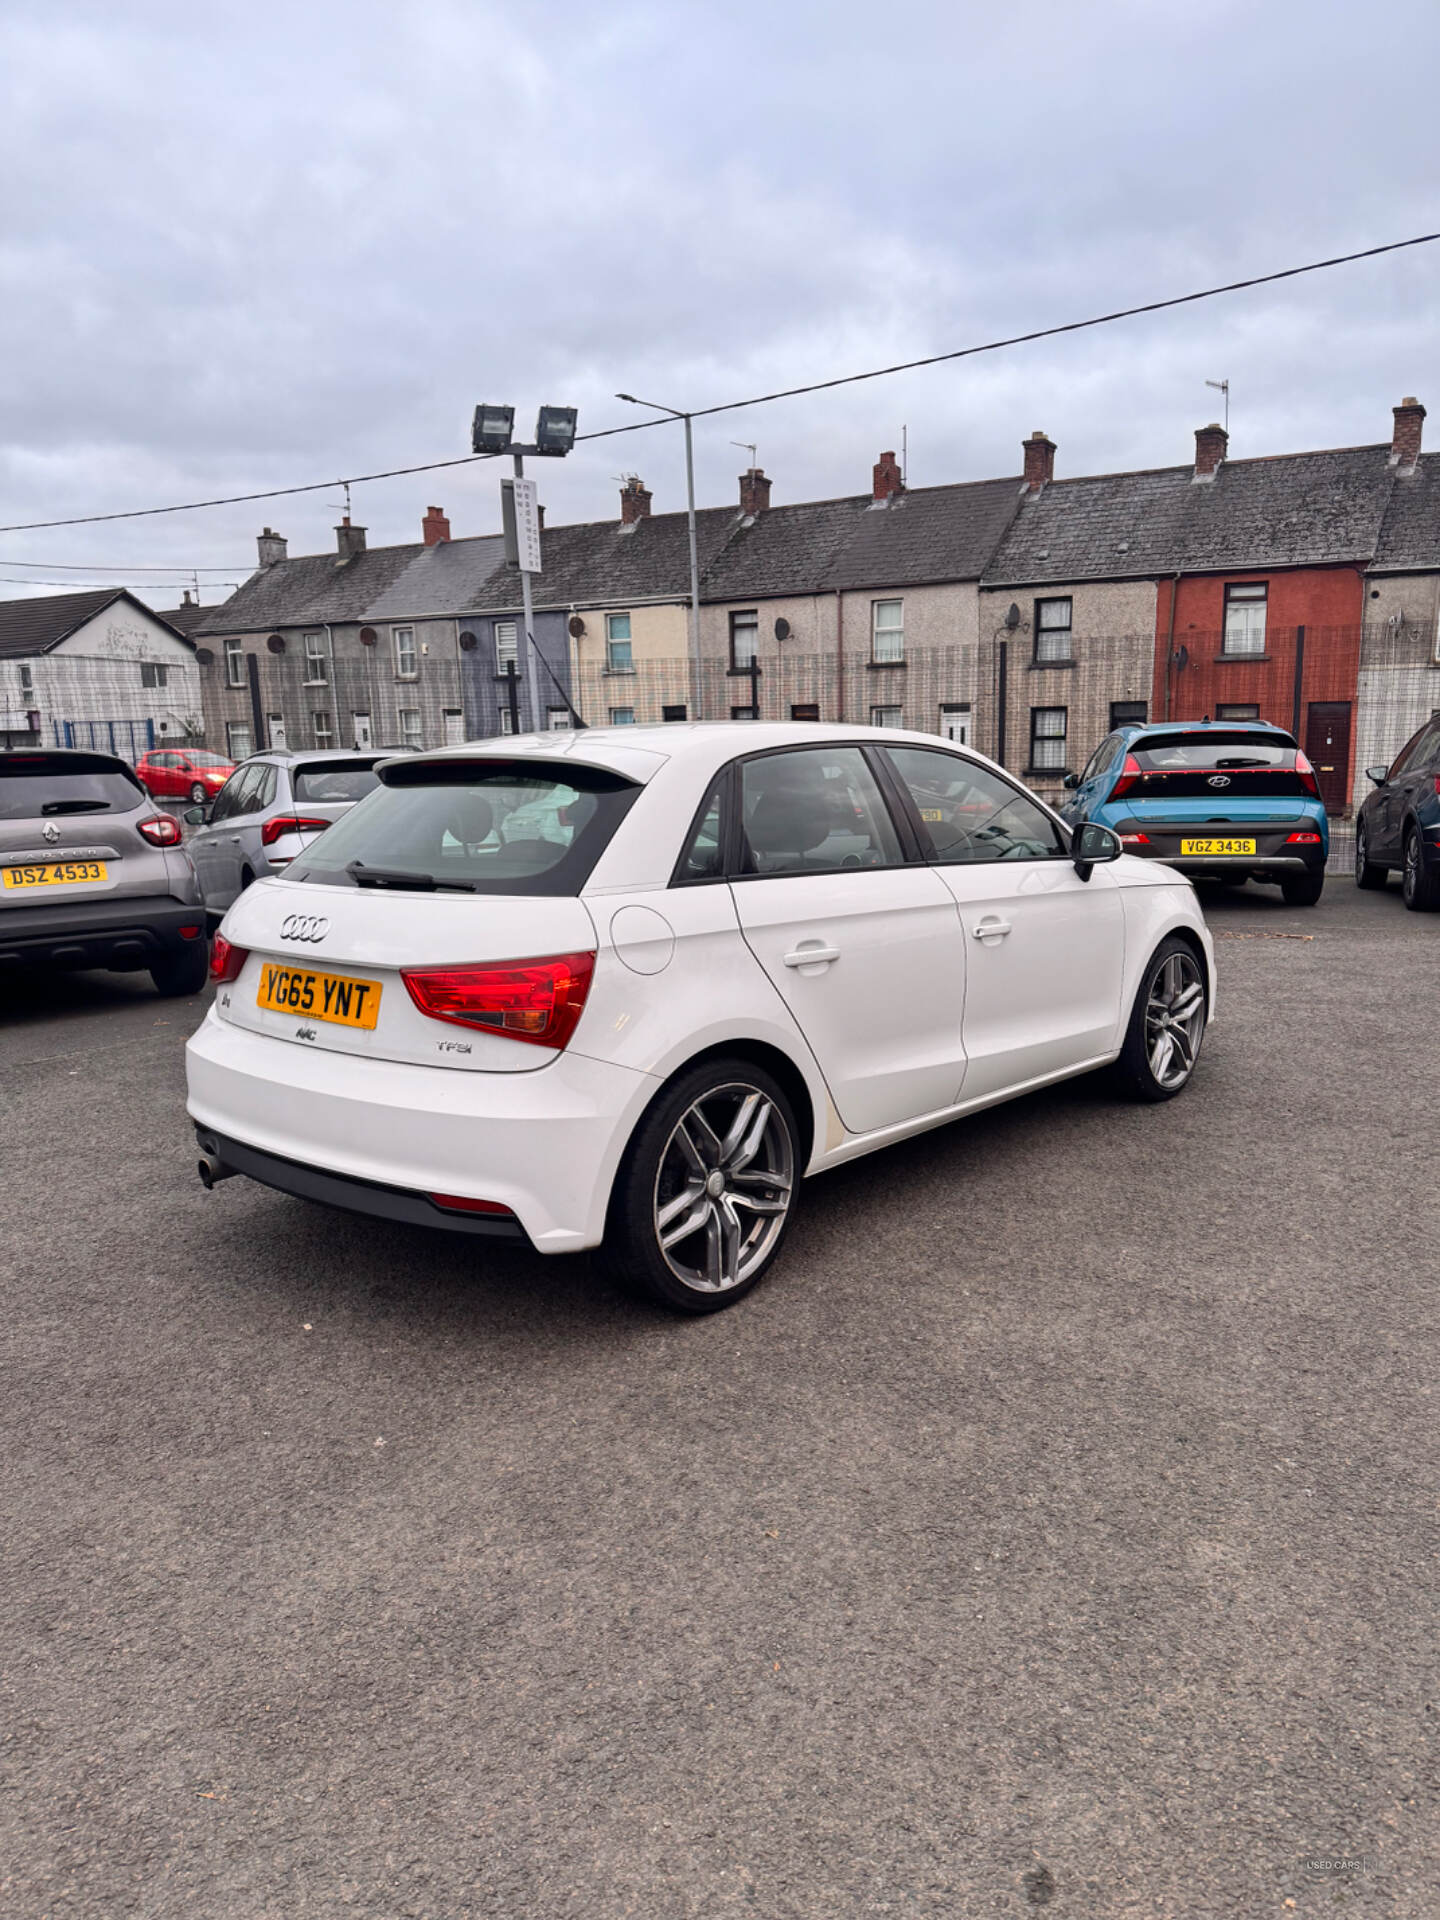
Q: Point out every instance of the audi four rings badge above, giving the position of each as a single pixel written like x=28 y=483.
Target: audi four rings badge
x=304 y=926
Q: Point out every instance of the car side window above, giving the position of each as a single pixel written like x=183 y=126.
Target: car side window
x=1428 y=750
x=816 y=810
x=264 y=793
x=970 y=814
x=1101 y=760
x=703 y=858
x=1406 y=758
x=227 y=800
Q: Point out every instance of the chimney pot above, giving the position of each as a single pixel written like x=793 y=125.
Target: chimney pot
x=754 y=491
x=434 y=527
x=349 y=541
x=634 y=502
x=272 y=548
x=887 y=478
x=1405 y=441
x=1039 y=452
x=1211 y=446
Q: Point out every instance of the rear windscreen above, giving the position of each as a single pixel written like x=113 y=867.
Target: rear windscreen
x=474 y=827
x=1182 y=766
x=34 y=785
x=336 y=780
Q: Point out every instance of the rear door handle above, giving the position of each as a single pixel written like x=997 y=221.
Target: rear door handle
x=812 y=956
x=991 y=929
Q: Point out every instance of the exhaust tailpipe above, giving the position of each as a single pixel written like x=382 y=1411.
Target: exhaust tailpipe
x=212 y=1169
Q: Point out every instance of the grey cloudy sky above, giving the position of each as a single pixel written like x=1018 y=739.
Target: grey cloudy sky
x=248 y=245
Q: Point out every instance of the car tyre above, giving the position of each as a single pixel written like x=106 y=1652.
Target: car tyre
x=706 y=1190
x=1419 y=886
x=197 y=793
x=182 y=973
x=1368 y=875
x=1167 y=1024
x=1302 y=889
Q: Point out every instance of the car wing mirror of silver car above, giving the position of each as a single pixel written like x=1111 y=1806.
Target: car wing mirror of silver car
x=197 y=816
x=1094 y=846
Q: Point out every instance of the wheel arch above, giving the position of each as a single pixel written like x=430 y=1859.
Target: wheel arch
x=1197 y=947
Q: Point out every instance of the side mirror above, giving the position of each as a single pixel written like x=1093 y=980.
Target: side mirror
x=197 y=816
x=1071 y=780
x=1094 y=846
x=1377 y=774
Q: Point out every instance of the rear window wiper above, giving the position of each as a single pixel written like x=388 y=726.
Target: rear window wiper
x=75 y=806
x=364 y=876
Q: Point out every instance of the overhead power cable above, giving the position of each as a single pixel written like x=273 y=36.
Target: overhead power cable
x=761 y=399
x=113 y=566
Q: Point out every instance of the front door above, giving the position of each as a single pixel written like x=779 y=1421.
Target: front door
x=1327 y=748
x=955 y=725
x=454 y=727
x=1044 y=949
x=864 y=950
x=276 y=725
x=362 y=730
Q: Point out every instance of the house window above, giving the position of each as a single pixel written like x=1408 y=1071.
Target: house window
x=1127 y=713
x=744 y=713
x=405 y=659
x=237 y=740
x=673 y=713
x=622 y=716
x=507 y=720
x=1237 y=713
x=324 y=732
x=557 y=719
x=234 y=665
x=507 y=646
x=1048 y=728
x=744 y=640
x=27 y=681
x=887 y=631
x=887 y=717
x=1052 y=631
x=317 y=666
x=410 y=726
x=806 y=710
x=618 y=657
x=1245 y=619
x=152 y=674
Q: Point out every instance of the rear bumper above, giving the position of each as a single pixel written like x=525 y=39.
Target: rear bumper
x=544 y=1144
x=1272 y=858
x=1276 y=865
x=123 y=935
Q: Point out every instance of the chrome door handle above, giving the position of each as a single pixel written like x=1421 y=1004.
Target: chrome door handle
x=991 y=929
x=812 y=956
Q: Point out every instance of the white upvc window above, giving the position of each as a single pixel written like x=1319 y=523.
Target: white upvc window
x=406 y=660
x=1053 y=630
x=410 y=730
x=507 y=646
x=324 y=731
x=744 y=639
x=887 y=716
x=557 y=719
x=153 y=674
x=234 y=665
x=619 y=657
x=238 y=742
x=507 y=723
x=27 y=681
x=317 y=663
x=1049 y=727
x=1245 y=617
x=887 y=631
x=622 y=716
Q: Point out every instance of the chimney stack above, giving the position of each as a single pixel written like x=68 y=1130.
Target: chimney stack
x=1039 y=452
x=1405 y=444
x=434 y=527
x=634 y=502
x=272 y=547
x=887 y=481
x=754 y=491
x=1211 y=444
x=349 y=541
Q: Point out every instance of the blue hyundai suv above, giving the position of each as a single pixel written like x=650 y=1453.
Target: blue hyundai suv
x=1221 y=800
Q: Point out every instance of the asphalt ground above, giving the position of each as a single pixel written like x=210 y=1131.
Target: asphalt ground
x=1055 y=1530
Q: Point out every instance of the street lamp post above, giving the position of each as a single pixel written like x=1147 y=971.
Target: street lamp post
x=694 y=619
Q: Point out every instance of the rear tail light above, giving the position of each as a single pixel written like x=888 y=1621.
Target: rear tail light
x=226 y=961
x=1129 y=774
x=289 y=823
x=539 y=1001
x=161 y=831
x=1134 y=839
x=1307 y=774
x=1302 y=840
x=457 y=1203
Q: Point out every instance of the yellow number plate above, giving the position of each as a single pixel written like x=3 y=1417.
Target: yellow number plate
x=931 y=813
x=65 y=873
x=1217 y=846
x=319 y=996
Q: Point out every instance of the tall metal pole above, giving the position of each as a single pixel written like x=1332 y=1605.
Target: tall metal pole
x=699 y=694
x=532 y=677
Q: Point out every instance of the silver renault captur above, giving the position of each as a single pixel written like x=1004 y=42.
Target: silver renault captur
x=269 y=811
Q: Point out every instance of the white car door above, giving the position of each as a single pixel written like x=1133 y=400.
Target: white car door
x=1044 y=949
x=865 y=950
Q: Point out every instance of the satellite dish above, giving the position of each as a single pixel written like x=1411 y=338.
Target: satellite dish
x=1012 y=618
x=782 y=628
x=368 y=636
x=204 y=657
x=577 y=626
x=276 y=643
x=467 y=642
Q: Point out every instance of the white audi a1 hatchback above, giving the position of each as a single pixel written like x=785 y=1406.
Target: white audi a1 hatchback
x=623 y=988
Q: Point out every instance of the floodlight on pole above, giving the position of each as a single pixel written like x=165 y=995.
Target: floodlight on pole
x=555 y=431
x=698 y=687
x=492 y=429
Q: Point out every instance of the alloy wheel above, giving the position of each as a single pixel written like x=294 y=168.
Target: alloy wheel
x=1174 y=1020
x=723 y=1188
x=1360 y=855
x=1410 y=879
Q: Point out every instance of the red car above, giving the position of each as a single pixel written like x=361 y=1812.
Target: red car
x=183 y=773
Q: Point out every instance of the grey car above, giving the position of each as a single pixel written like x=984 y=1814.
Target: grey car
x=269 y=811
x=93 y=874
